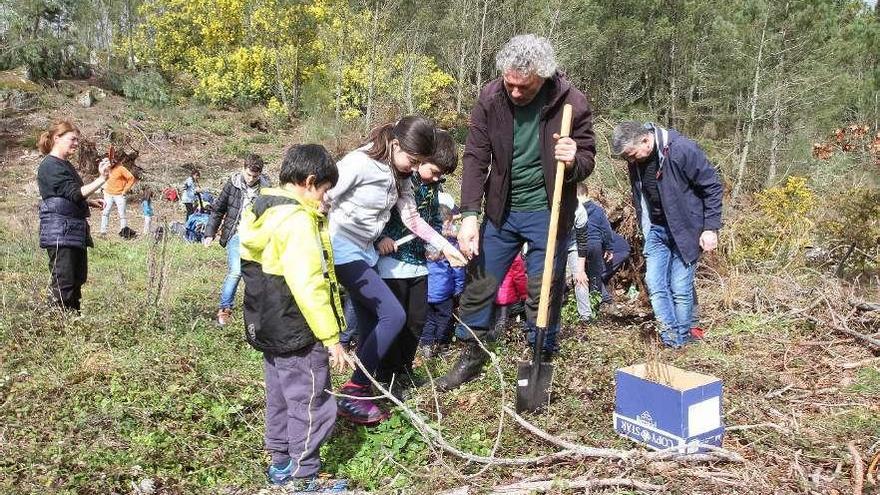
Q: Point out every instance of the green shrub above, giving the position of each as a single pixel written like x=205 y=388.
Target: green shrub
x=218 y=127
x=853 y=220
x=46 y=59
x=149 y=87
x=236 y=147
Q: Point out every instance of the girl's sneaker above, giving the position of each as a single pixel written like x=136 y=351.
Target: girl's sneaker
x=359 y=411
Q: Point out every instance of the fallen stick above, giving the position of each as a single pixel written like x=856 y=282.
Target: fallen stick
x=758 y=425
x=437 y=439
x=873 y=467
x=871 y=341
x=858 y=469
x=144 y=134
x=776 y=393
x=673 y=453
x=859 y=364
x=495 y=364
x=580 y=449
x=579 y=483
x=864 y=305
x=715 y=453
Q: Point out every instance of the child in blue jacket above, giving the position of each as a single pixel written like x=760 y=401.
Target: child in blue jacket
x=445 y=284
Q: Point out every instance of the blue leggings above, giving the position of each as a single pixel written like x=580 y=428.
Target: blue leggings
x=380 y=317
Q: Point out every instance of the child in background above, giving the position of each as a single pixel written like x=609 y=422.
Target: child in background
x=190 y=189
x=404 y=267
x=292 y=313
x=372 y=180
x=117 y=186
x=512 y=294
x=147 y=208
x=445 y=284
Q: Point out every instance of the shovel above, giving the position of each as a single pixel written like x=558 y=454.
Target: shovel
x=534 y=378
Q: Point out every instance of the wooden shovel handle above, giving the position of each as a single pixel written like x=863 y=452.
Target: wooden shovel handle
x=549 y=256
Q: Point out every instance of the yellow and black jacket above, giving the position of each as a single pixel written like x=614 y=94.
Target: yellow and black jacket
x=291 y=297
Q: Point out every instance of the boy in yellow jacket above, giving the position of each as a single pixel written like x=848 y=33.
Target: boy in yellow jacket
x=293 y=312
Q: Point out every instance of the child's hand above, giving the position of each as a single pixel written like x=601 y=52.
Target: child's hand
x=206 y=241
x=454 y=256
x=386 y=246
x=339 y=359
x=580 y=278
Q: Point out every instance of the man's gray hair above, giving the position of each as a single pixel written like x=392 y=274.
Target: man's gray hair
x=625 y=134
x=527 y=54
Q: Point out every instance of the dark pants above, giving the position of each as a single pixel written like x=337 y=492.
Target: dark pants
x=600 y=271
x=412 y=293
x=190 y=209
x=69 y=269
x=498 y=246
x=300 y=414
x=438 y=323
x=380 y=317
x=351 y=329
x=595 y=266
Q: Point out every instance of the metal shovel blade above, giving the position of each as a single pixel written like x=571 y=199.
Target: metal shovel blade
x=533 y=385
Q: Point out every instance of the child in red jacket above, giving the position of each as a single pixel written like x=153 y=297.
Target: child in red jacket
x=511 y=295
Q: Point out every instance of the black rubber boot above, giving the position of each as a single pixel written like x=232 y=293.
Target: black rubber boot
x=468 y=367
x=501 y=323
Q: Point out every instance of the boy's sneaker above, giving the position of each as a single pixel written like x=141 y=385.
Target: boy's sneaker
x=429 y=351
x=698 y=333
x=280 y=476
x=223 y=316
x=359 y=411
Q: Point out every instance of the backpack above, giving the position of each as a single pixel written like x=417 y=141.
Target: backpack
x=127 y=233
x=170 y=194
x=195 y=227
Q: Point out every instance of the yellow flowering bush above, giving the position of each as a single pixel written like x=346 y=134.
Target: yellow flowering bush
x=277 y=112
x=777 y=227
x=242 y=74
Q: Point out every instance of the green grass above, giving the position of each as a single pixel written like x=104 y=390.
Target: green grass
x=867 y=382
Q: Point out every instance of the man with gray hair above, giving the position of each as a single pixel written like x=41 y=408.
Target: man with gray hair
x=677 y=197
x=510 y=160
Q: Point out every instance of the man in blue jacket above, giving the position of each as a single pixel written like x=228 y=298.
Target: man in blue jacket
x=677 y=197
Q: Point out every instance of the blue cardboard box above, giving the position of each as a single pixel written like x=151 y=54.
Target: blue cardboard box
x=675 y=408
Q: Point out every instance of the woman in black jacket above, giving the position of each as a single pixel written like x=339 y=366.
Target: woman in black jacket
x=64 y=230
x=239 y=191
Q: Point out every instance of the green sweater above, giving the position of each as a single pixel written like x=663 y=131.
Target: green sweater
x=527 y=188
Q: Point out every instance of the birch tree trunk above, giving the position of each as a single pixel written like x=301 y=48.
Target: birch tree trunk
x=750 y=125
x=460 y=76
x=340 y=73
x=479 y=71
x=279 y=81
x=776 y=139
x=297 y=83
x=371 y=87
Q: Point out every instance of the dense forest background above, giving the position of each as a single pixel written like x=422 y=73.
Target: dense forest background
x=759 y=80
